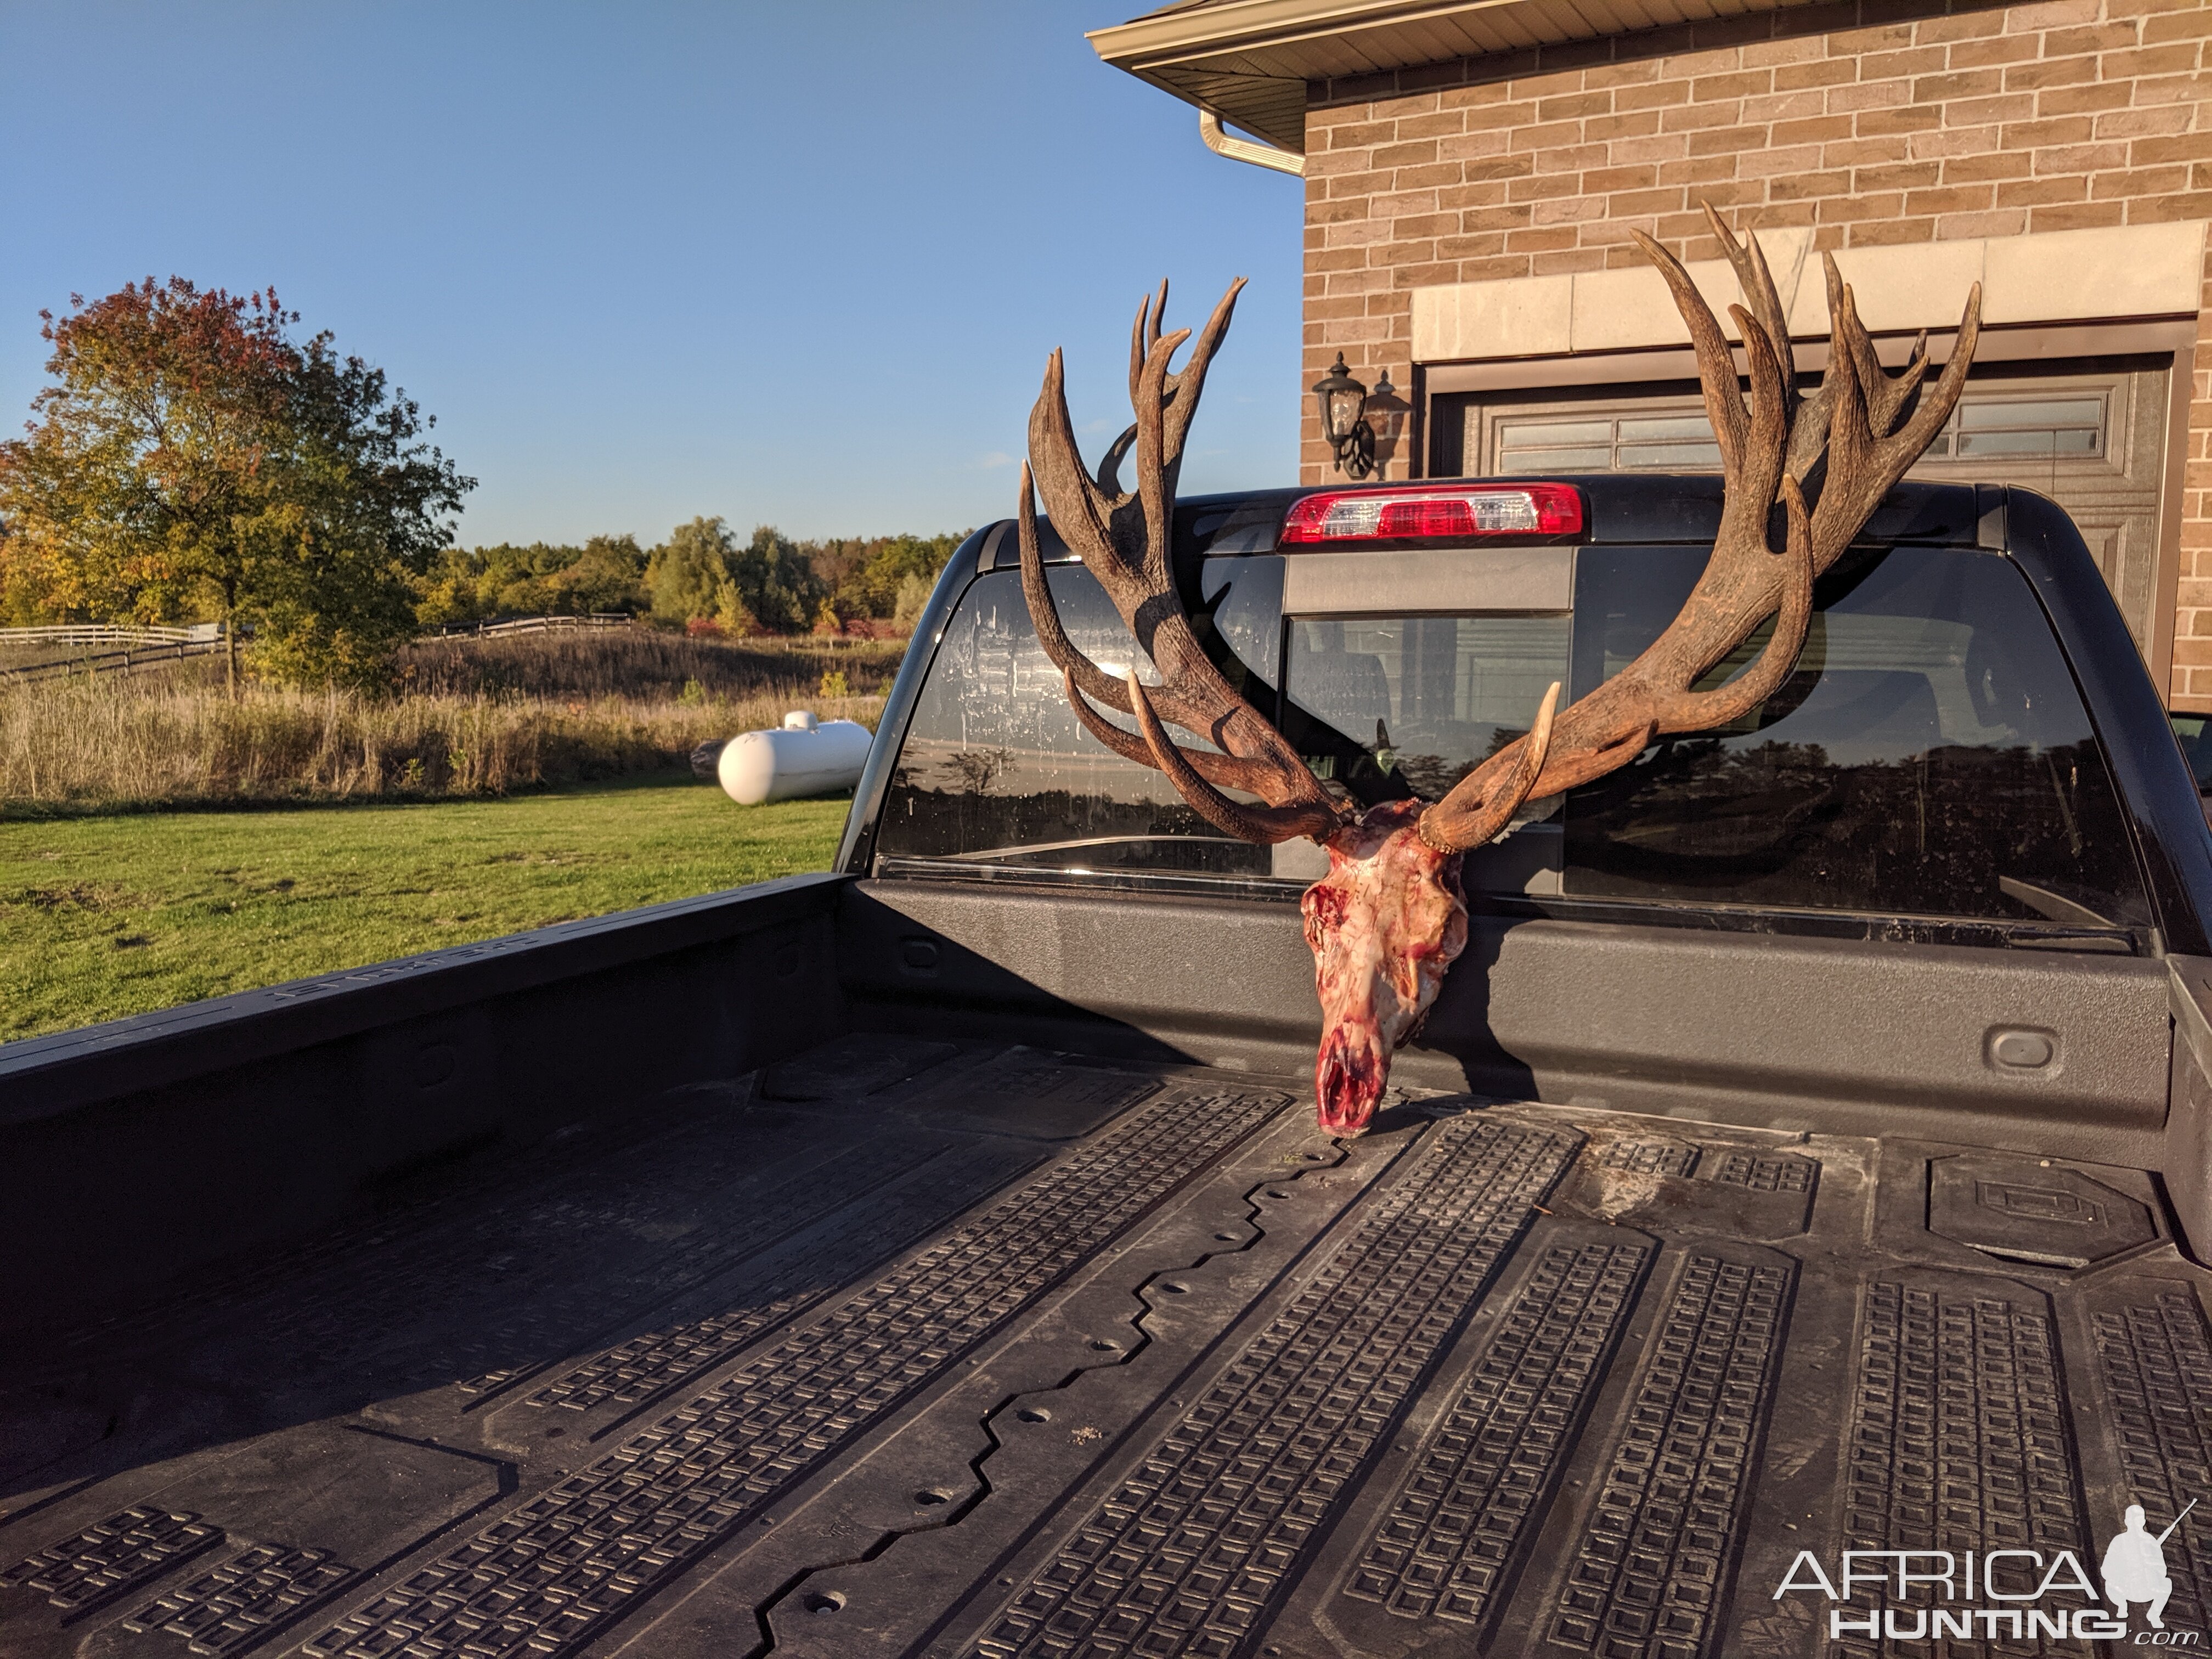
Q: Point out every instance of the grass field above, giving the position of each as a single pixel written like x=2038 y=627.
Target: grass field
x=105 y=916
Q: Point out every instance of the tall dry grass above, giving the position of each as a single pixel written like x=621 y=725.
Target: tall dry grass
x=468 y=718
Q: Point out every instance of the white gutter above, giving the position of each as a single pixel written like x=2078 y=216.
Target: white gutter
x=1241 y=149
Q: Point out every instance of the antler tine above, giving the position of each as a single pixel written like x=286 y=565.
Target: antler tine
x=1144 y=334
x=1864 y=461
x=1450 y=830
x=1748 y=260
x=1127 y=542
x=1716 y=363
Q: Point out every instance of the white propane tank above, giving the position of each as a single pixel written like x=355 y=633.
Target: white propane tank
x=807 y=757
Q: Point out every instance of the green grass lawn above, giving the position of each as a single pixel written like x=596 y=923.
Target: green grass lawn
x=102 y=917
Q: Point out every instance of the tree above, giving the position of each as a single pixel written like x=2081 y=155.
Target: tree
x=686 y=572
x=192 y=458
x=701 y=571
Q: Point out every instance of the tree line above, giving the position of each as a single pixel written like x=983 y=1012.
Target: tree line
x=193 y=461
x=702 y=578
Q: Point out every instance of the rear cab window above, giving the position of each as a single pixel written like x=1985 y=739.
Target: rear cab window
x=1928 y=758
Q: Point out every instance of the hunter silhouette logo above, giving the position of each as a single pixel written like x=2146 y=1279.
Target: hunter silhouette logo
x=2134 y=1566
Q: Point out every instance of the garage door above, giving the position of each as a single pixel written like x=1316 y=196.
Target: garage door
x=2091 y=433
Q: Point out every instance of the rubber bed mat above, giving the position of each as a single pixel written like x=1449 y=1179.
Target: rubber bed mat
x=930 y=1349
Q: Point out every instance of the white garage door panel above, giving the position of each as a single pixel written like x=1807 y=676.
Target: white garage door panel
x=2090 y=435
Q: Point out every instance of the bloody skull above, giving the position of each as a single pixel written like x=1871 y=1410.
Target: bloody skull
x=1384 y=925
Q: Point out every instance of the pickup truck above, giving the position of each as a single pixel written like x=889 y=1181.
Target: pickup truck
x=1782 y=1237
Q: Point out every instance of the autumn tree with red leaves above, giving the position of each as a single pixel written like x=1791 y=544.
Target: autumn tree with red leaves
x=193 y=458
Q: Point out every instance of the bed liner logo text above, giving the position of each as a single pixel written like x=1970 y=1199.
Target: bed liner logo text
x=2012 y=1595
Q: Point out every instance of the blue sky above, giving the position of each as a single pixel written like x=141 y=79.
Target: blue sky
x=789 y=264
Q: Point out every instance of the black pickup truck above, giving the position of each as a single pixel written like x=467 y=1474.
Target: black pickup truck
x=1781 y=1239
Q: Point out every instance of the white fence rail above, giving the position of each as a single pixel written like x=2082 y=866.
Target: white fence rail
x=208 y=634
x=536 y=624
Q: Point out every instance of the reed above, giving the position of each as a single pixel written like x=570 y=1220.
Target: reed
x=465 y=718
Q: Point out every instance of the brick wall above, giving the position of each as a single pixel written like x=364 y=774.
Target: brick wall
x=1872 y=121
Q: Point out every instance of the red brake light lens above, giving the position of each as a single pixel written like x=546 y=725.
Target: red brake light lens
x=1435 y=513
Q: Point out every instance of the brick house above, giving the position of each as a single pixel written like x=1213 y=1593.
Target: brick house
x=1473 y=171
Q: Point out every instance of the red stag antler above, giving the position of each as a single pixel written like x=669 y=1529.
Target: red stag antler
x=1388 y=919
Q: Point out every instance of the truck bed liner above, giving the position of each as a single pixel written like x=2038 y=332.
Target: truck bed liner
x=926 y=1347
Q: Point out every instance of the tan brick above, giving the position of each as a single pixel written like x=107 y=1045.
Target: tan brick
x=2193 y=25
x=1335 y=213
x=1574 y=106
x=1362 y=132
x=1357 y=186
x=1857 y=43
x=1429 y=178
x=1892 y=232
x=2138 y=181
x=2049 y=72
x=2173 y=58
x=2152 y=152
x=1498 y=218
x=1474 y=97
x=1634 y=73
x=1911 y=61
x=1804 y=186
x=1797 y=49
x=1487 y=244
x=1558 y=83
x=1908 y=175
x=1742 y=84
x=1396 y=203
x=1780 y=214
x=1988 y=111
x=1970 y=169
x=1405 y=155
x=1548 y=136
x=1827 y=72
x=1689 y=65
x=2038 y=135
x=1605 y=129
x=2042 y=192
x=1852 y=210
x=2089 y=39
x=2164 y=210
x=1871 y=94
x=1953 y=198
x=2080 y=158
x=1544 y=187
x=1881 y=123
x=1865 y=152
x=1637 y=204
x=1558 y=265
x=2051 y=14
x=1489 y=117
x=1957 y=83
x=1976 y=25
x=1601 y=181
x=1442 y=124
x=1549 y=240
x=1656 y=94
x=1660 y=146
x=1462 y=198
x=1821 y=130
x=1697 y=170
x=1784 y=106
x=1493 y=270
x=1496 y=167
x=1962 y=227
x=2005 y=49
x=1473 y=147
x=2091 y=98
x=1427 y=226
x=1726 y=141
x=1952 y=142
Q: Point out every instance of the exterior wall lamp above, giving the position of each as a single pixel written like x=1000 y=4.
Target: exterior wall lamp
x=1343 y=419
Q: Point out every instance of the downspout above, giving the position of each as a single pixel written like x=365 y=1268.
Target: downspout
x=1241 y=149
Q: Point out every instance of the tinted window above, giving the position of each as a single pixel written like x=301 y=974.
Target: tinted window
x=1929 y=756
x=1427 y=696
x=995 y=765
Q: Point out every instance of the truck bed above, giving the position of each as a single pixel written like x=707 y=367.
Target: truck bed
x=949 y=1348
